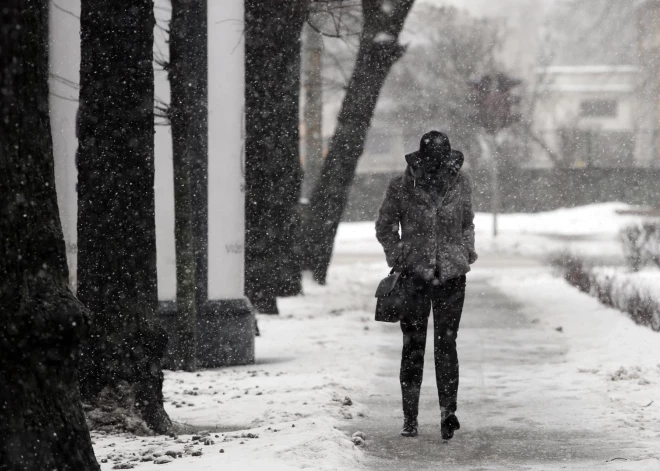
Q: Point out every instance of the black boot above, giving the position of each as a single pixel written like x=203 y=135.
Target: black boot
x=448 y=424
x=409 y=427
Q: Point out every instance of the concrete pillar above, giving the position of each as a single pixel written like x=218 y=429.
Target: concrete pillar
x=225 y=320
x=227 y=336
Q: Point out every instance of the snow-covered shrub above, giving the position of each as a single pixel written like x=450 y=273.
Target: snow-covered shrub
x=632 y=242
x=637 y=294
x=573 y=268
x=628 y=292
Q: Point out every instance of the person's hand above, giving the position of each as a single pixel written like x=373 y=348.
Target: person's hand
x=399 y=260
x=395 y=258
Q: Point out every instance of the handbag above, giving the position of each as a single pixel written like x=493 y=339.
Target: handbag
x=391 y=299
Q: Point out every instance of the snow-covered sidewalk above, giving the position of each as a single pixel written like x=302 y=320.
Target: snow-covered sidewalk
x=621 y=357
x=284 y=412
x=320 y=365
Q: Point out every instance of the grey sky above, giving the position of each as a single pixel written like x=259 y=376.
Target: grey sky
x=524 y=20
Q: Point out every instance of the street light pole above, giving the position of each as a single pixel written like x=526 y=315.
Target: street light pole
x=489 y=153
x=495 y=194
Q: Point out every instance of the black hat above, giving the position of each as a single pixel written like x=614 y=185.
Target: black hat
x=434 y=144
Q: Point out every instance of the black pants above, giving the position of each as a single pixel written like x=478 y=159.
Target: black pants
x=447 y=301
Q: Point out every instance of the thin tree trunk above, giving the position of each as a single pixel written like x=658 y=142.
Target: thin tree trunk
x=272 y=169
x=121 y=367
x=188 y=91
x=42 y=424
x=379 y=50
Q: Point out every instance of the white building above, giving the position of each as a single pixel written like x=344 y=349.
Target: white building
x=589 y=116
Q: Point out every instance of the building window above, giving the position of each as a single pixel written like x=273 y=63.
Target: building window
x=598 y=109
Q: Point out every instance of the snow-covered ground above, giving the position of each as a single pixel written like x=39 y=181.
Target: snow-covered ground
x=590 y=230
x=636 y=293
x=297 y=406
x=312 y=362
x=625 y=356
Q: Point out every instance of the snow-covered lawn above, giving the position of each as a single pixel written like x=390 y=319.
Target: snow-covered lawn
x=590 y=230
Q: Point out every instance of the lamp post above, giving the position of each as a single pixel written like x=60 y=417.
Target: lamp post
x=494 y=101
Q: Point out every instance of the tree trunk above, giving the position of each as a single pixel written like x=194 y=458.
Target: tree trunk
x=188 y=92
x=42 y=424
x=272 y=168
x=379 y=50
x=313 y=111
x=121 y=369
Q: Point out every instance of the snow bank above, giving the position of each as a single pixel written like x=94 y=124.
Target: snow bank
x=309 y=443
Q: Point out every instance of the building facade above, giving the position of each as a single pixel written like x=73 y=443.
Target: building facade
x=589 y=116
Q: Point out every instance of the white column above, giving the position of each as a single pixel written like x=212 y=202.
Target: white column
x=164 y=173
x=226 y=101
x=64 y=68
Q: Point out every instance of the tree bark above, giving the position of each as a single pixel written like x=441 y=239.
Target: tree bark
x=313 y=110
x=272 y=169
x=188 y=104
x=121 y=367
x=379 y=50
x=42 y=424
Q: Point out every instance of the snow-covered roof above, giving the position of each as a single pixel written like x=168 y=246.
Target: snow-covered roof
x=590 y=87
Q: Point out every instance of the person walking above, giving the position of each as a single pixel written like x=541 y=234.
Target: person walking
x=426 y=227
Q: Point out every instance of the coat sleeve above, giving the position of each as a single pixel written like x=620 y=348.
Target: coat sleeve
x=387 y=225
x=468 y=221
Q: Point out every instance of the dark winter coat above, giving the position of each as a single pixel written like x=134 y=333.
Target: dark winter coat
x=436 y=236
